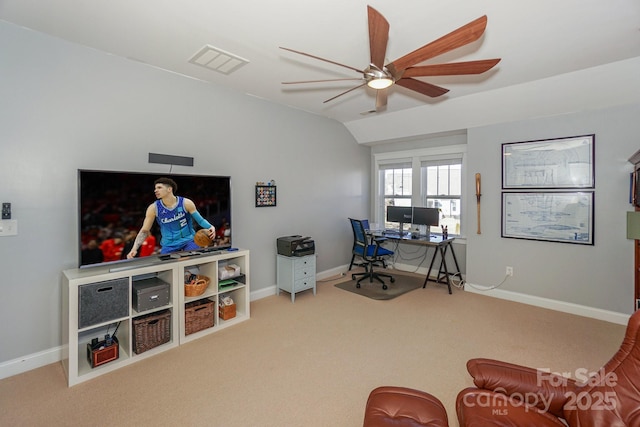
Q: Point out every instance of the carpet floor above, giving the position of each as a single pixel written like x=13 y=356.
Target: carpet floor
x=313 y=362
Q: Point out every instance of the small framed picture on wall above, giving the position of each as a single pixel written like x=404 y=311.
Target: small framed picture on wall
x=265 y=196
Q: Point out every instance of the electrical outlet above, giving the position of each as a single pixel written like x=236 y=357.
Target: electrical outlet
x=509 y=271
x=8 y=227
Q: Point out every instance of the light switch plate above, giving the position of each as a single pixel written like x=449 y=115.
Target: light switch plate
x=8 y=227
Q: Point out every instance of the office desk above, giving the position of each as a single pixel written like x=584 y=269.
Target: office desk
x=440 y=245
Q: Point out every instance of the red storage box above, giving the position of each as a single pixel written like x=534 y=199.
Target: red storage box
x=99 y=354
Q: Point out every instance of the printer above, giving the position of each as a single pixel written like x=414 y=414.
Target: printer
x=296 y=246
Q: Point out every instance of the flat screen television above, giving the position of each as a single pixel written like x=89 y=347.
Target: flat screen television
x=426 y=216
x=112 y=207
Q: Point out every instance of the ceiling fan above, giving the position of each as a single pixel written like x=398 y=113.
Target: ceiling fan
x=381 y=76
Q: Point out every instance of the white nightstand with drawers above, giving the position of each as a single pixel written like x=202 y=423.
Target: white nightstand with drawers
x=296 y=274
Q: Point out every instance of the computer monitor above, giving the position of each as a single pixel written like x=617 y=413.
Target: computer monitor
x=426 y=216
x=401 y=214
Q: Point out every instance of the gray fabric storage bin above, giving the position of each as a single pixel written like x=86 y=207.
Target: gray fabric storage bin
x=103 y=301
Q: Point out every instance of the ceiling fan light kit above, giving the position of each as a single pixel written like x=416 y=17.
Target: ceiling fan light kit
x=377 y=79
x=380 y=82
x=402 y=71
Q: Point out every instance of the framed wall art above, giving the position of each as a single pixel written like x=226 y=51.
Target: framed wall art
x=265 y=195
x=560 y=216
x=560 y=163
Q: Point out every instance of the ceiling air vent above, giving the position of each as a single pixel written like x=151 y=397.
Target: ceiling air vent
x=218 y=60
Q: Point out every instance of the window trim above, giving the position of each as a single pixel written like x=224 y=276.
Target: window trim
x=416 y=157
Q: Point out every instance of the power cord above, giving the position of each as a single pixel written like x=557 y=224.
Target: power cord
x=405 y=255
x=332 y=278
x=459 y=282
x=491 y=287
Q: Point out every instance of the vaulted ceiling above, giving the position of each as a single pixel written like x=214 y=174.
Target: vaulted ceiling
x=536 y=40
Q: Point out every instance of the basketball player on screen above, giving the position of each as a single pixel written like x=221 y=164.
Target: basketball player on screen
x=174 y=214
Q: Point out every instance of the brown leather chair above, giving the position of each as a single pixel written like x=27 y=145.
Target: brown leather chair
x=513 y=395
x=403 y=407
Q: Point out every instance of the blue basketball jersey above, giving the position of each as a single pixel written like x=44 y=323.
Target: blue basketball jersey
x=175 y=226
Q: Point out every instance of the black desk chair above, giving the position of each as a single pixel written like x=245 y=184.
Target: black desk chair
x=370 y=252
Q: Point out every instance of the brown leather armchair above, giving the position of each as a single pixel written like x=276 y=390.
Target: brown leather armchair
x=403 y=407
x=513 y=395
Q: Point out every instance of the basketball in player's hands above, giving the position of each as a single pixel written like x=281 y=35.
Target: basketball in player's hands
x=202 y=238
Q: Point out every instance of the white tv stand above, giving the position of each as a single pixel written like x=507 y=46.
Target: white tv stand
x=75 y=338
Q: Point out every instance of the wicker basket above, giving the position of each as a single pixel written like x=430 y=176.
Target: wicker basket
x=151 y=331
x=198 y=315
x=198 y=287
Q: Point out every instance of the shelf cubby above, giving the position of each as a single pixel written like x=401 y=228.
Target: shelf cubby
x=75 y=361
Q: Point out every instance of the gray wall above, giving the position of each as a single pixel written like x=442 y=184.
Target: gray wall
x=599 y=276
x=65 y=107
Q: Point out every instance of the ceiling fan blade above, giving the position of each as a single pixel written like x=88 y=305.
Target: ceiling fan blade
x=381 y=100
x=464 y=35
x=378 y=37
x=318 y=81
x=451 y=69
x=344 y=93
x=422 y=87
x=322 y=59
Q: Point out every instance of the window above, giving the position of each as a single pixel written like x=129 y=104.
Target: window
x=428 y=178
x=442 y=189
x=397 y=184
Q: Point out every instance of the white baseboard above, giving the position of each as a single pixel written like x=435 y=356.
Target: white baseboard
x=342 y=269
x=262 y=293
x=565 y=307
x=29 y=362
x=271 y=290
